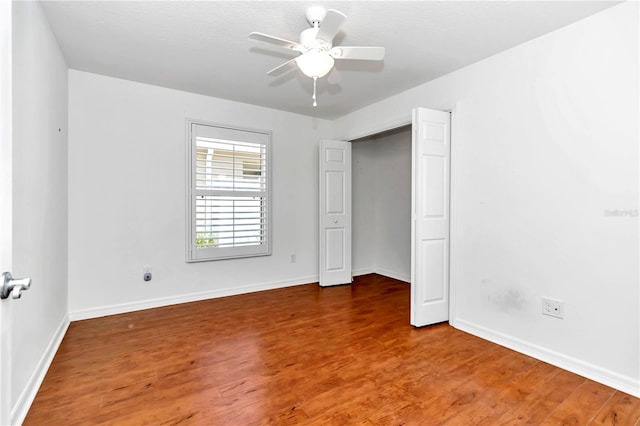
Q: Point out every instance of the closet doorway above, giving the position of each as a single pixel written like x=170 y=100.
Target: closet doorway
x=430 y=156
x=381 y=204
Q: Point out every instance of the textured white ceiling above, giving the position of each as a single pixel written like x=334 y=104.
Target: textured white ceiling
x=203 y=47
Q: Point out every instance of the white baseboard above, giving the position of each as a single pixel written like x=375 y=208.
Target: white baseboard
x=623 y=383
x=22 y=405
x=102 y=311
x=381 y=271
x=394 y=275
x=362 y=271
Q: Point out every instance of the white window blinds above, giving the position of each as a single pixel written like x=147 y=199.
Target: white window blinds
x=229 y=199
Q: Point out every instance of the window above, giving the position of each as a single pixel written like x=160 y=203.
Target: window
x=229 y=202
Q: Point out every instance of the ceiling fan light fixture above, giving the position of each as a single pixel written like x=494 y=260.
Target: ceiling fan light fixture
x=315 y=63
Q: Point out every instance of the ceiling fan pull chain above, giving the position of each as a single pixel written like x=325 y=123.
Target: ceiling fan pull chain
x=314 y=91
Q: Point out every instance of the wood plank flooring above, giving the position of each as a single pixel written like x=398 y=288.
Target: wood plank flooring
x=307 y=355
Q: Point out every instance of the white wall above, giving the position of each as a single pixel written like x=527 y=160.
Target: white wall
x=39 y=318
x=545 y=143
x=382 y=204
x=127 y=197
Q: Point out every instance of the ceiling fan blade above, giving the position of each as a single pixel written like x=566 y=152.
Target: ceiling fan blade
x=287 y=44
x=281 y=67
x=364 y=53
x=330 y=25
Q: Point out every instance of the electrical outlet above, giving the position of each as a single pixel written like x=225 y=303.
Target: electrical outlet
x=553 y=307
x=293 y=258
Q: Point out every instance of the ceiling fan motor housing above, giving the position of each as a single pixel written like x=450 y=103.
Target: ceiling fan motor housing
x=308 y=40
x=315 y=14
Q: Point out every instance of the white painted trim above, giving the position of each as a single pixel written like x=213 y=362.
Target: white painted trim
x=363 y=271
x=381 y=271
x=22 y=405
x=454 y=202
x=575 y=365
x=187 y=190
x=6 y=193
x=395 y=275
x=380 y=128
x=102 y=311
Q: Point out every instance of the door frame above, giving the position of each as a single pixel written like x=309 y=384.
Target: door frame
x=454 y=184
x=6 y=159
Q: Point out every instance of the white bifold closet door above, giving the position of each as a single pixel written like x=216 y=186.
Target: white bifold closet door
x=335 y=213
x=431 y=159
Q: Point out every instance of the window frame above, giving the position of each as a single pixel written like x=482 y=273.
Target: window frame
x=221 y=253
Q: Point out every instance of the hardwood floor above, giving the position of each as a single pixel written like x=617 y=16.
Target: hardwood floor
x=306 y=355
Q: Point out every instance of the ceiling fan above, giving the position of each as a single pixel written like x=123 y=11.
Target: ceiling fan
x=317 y=53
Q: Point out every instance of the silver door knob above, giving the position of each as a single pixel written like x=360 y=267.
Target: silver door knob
x=13 y=286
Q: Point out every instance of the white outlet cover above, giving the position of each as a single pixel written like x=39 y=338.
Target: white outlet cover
x=552 y=307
